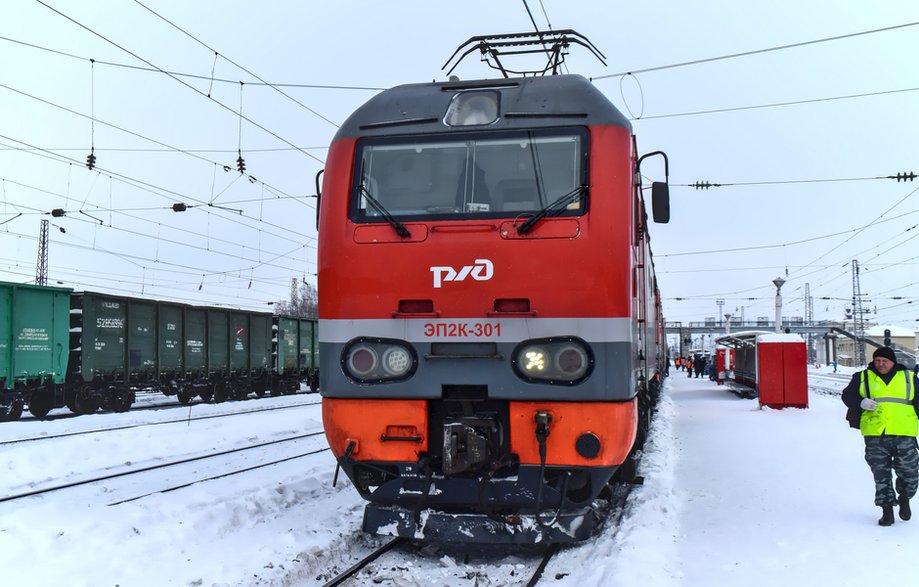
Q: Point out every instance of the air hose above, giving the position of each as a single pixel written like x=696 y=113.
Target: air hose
x=542 y=434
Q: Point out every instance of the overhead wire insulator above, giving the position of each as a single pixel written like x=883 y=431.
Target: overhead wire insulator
x=905 y=176
x=702 y=185
x=91 y=160
x=241 y=164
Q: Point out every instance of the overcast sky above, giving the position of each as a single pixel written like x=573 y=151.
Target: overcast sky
x=797 y=133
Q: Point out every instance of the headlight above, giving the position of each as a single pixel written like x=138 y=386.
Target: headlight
x=564 y=361
x=473 y=108
x=377 y=360
x=397 y=361
x=533 y=360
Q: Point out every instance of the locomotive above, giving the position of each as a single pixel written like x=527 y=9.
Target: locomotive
x=90 y=350
x=491 y=334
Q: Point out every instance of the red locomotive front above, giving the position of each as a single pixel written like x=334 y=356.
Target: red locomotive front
x=490 y=329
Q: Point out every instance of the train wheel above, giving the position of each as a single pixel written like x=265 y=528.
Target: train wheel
x=40 y=404
x=207 y=395
x=241 y=391
x=220 y=392
x=184 y=397
x=122 y=401
x=260 y=393
x=11 y=408
x=86 y=401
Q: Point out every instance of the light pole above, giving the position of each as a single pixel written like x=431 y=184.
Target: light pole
x=727 y=323
x=779 y=282
x=720 y=304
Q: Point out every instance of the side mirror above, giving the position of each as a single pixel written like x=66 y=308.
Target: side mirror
x=660 y=202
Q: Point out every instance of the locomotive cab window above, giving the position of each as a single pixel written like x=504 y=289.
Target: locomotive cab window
x=483 y=175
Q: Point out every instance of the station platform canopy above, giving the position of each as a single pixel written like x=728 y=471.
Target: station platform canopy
x=740 y=339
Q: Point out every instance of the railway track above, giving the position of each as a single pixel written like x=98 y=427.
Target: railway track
x=132 y=471
x=145 y=424
x=827 y=383
x=145 y=401
x=404 y=561
x=406 y=547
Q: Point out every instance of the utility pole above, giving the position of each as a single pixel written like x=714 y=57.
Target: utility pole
x=720 y=304
x=809 y=321
x=858 y=315
x=41 y=269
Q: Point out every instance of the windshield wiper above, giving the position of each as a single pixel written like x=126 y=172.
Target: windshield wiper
x=398 y=226
x=553 y=209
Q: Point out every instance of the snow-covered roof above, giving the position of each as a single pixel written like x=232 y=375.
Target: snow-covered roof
x=894 y=331
x=779 y=338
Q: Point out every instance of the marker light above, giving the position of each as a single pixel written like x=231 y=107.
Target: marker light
x=572 y=360
x=362 y=360
x=378 y=360
x=557 y=361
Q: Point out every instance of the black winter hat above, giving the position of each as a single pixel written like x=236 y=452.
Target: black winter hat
x=885 y=352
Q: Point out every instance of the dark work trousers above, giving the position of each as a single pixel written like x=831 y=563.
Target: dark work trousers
x=899 y=453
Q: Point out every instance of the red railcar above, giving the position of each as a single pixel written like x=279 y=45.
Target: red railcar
x=491 y=337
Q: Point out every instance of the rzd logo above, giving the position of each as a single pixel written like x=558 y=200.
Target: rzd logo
x=481 y=271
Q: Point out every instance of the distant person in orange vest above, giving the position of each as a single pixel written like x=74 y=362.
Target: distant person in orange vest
x=689 y=366
x=883 y=404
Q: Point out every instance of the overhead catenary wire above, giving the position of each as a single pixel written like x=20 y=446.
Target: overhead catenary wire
x=189 y=86
x=209 y=48
x=129 y=132
x=163 y=192
x=161 y=265
x=758 y=51
x=251 y=263
x=773 y=105
x=195 y=76
x=38 y=211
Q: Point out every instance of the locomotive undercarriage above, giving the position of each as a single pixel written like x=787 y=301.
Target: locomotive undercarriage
x=470 y=486
x=408 y=502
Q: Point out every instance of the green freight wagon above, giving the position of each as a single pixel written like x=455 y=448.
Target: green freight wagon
x=170 y=351
x=296 y=354
x=113 y=348
x=238 y=352
x=260 y=365
x=34 y=343
x=195 y=356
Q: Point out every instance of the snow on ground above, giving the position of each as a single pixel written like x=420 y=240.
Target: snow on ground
x=733 y=495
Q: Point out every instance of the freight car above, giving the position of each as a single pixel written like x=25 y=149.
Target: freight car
x=89 y=350
x=34 y=347
x=492 y=391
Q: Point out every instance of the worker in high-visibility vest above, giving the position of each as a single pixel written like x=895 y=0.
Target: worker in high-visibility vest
x=882 y=401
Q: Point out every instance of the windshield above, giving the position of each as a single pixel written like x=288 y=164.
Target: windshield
x=498 y=175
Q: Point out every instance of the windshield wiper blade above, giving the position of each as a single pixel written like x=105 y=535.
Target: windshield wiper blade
x=397 y=226
x=553 y=209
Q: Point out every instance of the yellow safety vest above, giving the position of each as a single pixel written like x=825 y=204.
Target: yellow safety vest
x=895 y=415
